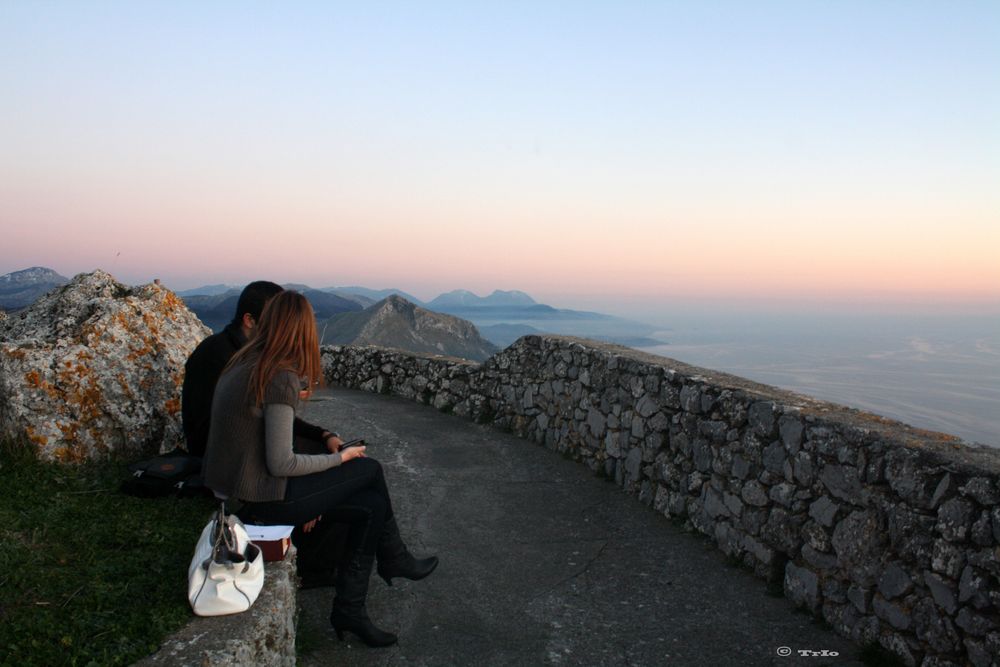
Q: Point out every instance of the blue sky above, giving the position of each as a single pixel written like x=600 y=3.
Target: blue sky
x=595 y=152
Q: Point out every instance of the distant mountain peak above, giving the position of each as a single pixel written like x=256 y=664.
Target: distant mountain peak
x=373 y=294
x=509 y=298
x=33 y=276
x=398 y=323
x=461 y=298
x=19 y=289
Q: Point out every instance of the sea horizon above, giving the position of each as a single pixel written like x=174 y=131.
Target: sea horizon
x=940 y=373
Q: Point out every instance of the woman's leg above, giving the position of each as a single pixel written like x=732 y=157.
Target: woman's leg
x=310 y=496
x=354 y=493
x=365 y=512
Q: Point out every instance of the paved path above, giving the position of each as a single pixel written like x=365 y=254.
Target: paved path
x=541 y=562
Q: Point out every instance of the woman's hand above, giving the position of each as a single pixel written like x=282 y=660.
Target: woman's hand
x=333 y=443
x=309 y=525
x=352 y=453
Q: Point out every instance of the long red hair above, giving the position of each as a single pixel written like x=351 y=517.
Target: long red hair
x=284 y=339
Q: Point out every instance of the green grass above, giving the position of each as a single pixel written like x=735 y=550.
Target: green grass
x=88 y=575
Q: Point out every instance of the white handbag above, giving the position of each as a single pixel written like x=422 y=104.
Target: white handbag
x=227 y=570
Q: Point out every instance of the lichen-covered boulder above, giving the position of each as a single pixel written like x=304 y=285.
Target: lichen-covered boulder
x=94 y=367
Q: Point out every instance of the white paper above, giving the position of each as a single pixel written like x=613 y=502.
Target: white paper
x=267 y=533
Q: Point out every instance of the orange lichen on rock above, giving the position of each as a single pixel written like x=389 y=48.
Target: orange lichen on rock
x=173 y=302
x=173 y=405
x=36 y=438
x=34 y=379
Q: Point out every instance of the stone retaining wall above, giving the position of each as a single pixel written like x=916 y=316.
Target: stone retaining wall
x=263 y=636
x=889 y=533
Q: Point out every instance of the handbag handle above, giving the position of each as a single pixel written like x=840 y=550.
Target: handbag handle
x=224 y=544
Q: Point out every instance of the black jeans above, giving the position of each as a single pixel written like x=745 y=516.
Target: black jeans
x=354 y=493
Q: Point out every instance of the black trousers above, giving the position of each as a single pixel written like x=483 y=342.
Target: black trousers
x=354 y=493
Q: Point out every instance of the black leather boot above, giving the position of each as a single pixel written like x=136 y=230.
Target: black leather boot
x=349 y=612
x=395 y=560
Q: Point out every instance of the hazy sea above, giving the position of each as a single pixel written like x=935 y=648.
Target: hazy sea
x=939 y=372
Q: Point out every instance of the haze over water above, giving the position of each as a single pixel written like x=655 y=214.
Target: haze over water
x=939 y=372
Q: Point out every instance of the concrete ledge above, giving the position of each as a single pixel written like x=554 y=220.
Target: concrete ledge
x=264 y=635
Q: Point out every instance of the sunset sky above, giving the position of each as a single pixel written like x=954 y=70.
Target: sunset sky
x=590 y=153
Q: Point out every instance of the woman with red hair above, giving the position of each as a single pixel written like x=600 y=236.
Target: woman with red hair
x=250 y=457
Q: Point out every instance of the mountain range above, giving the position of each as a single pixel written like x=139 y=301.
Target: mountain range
x=217 y=310
x=457 y=323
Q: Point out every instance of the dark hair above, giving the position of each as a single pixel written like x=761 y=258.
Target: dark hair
x=284 y=339
x=254 y=297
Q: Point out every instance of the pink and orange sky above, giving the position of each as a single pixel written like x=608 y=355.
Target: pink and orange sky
x=591 y=154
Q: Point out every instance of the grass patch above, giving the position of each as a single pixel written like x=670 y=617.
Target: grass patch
x=88 y=575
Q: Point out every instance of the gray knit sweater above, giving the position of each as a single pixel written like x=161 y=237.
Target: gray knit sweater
x=249 y=454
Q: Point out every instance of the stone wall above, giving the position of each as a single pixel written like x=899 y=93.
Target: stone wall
x=263 y=636
x=889 y=533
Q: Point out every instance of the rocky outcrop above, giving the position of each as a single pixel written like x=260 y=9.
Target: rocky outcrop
x=890 y=534
x=395 y=322
x=94 y=367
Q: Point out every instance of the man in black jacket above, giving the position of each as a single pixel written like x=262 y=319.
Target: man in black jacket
x=204 y=366
x=318 y=548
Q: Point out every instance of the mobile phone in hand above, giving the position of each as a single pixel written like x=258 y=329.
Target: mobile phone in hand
x=357 y=442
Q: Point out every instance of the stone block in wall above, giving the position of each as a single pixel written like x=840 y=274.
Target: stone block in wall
x=842 y=482
x=791 y=429
x=816 y=536
x=774 y=457
x=633 y=465
x=897 y=644
x=955 y=519
x=859 y=542
x=781 y=531
x=754 y=494
x=802 y=586
x=841 y=617
x=782 y=494
x=911 y=533
x=690 y=399
x=860 y=597
x=982 y=653
x=947 y=559
x=893 y=613
x=702 y=454
x=894 y=582
x=982 y=532
x=913 y=479
x=983 y=490
x=761 y=418
x=934 y=628
x=974 y=623
x=973 y=587
x=824 y=511
x=943 y=592
x=818 y=560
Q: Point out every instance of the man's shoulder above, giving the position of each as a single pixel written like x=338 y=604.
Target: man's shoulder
x=218 y=346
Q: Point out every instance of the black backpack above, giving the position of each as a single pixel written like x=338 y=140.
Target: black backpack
x=174 y=473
